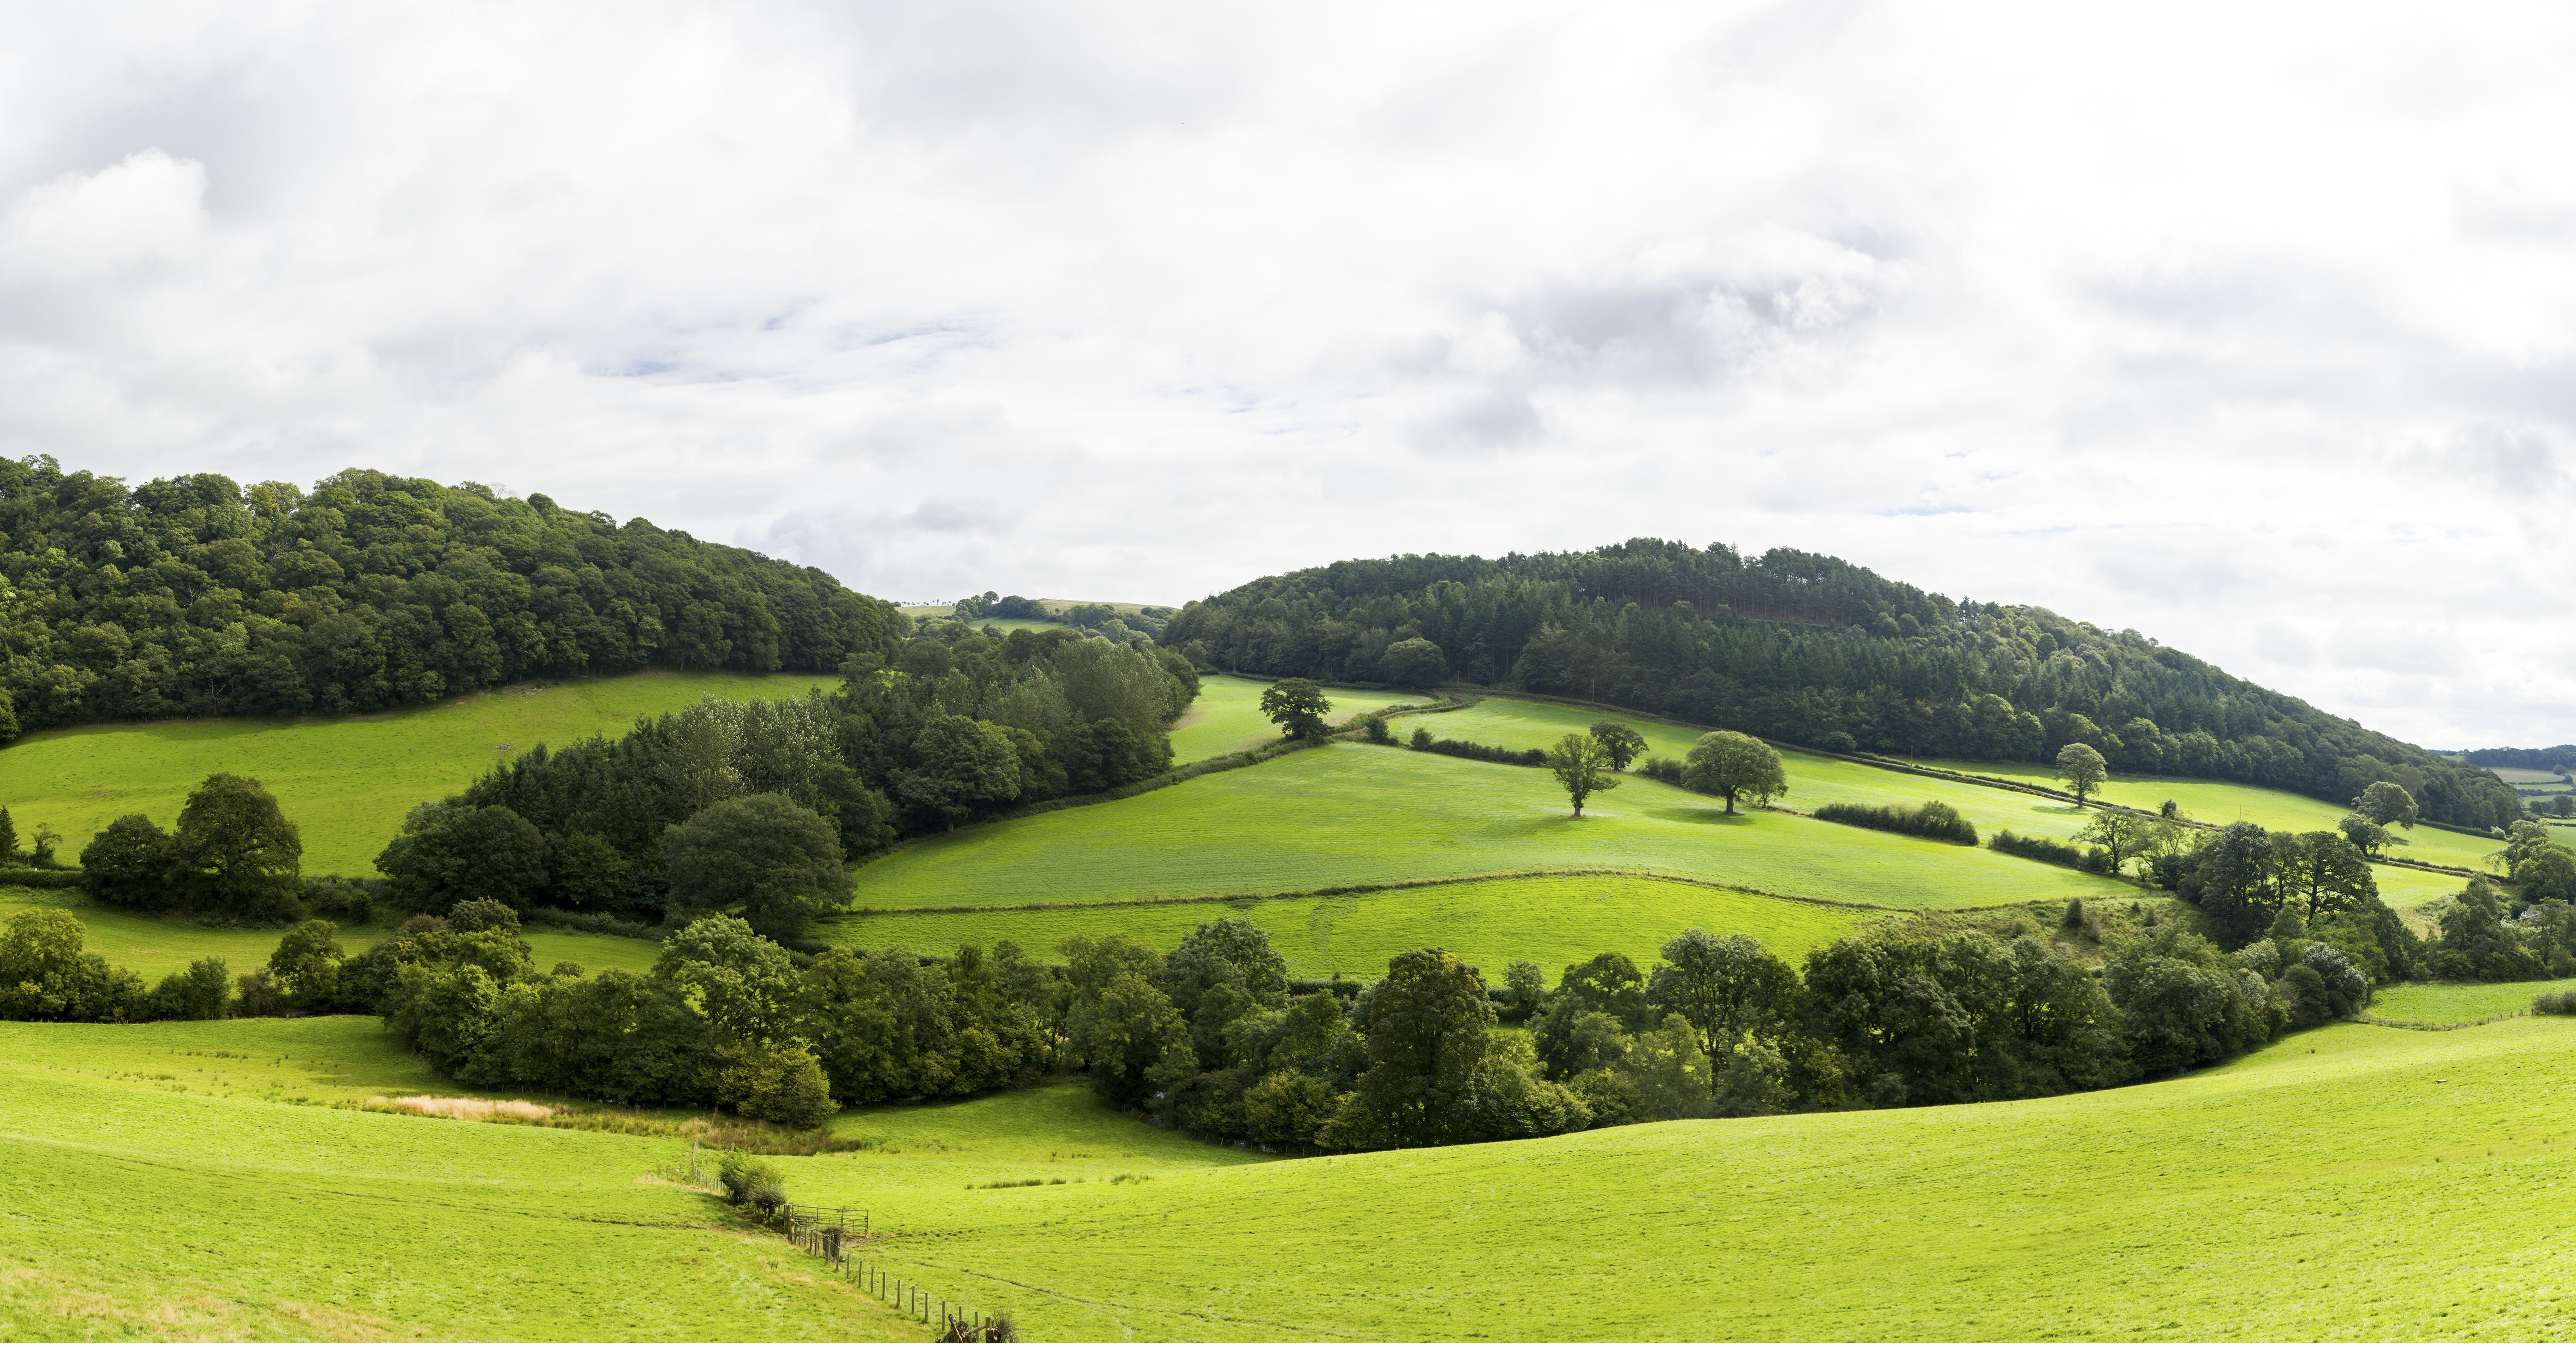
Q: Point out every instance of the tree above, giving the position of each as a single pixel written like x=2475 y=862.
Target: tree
x=9 y=838
x=2363 y=833
x=305 y=970
x=1525 y=990
x=772 y=857
x=1413 y=663
x=1297 y=707
x=966 y=765
x=1621 y=743
x=745 y=985
x=234 y=853
x=2235 y=882
x=780 y=1083
x=2324 y=873
x=128 y=865
x=1135 y=1039
x=2123 y=834
x=1725 y=987
x=201 y=991
x=449 y=853
x=1735 y=766
x=2081 y=767
x=1427 y=1031
x=2386 y=802
x=1582 y=766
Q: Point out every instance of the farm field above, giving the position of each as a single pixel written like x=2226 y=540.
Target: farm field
x=1347 y=814
x=345 y=782
x=158 y=946
x=1227 y=717
x=148 y=1192
x=1551 y=920
x=2459 y=1002
x=2325 y=1188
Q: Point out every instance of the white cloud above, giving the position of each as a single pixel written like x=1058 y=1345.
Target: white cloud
x=2247 y=330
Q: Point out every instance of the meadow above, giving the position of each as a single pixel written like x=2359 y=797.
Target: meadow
x=1551 y=920
x=346 y=782
x=1227 y=717
x=156 y=946
x=2459 y=1002
x=2354 y=1182
x=157 y=1184
x=1347 y=814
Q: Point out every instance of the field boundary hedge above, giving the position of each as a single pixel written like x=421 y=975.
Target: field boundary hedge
x=2367 y=1018
x=1346 y=890
x=29 y=877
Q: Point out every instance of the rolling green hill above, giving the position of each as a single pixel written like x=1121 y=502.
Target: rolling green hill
x=1227 y=717
x=346 y=782
x=1346 y=814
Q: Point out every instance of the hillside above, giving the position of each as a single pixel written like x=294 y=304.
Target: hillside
x=1812 y=650
x=195 y=596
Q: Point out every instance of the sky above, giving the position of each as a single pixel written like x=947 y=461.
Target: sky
x=2252 y=328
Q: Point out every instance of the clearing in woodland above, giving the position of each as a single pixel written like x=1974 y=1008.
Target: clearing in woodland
x=1347 y=814
x=345 y=782
x=1227 y=717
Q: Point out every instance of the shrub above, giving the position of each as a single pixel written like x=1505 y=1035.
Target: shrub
x=781 y=1084
x=1931 y=819
x=750 y=1181
x=1421 y=740
x=1466 y=748
x=2554 y=1003
x=1661 y=768
x=199 y=993
x=1373 y=728
x=2047 y=850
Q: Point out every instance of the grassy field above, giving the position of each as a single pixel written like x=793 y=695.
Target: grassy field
x=2459 y=1002
x=157 y=946
x=1347 y=814
x=155 y=1185
x=1551 y=920
x=2226 y=802
x=1227 y=717
x=2327 y=1187
x=347 y=782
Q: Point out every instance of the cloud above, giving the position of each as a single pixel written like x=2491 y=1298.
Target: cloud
x=2260 y=347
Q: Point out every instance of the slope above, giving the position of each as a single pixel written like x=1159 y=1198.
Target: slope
x=1227 y=717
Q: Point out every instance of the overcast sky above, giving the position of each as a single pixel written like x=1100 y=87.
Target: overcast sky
x=2245 y=326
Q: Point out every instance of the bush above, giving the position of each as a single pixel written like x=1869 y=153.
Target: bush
x=1421 y=740
x=782 y=1084
x=1660 y=768
x=26 y=878
x=199 y=993
x=1931 y=819
x=750 y=1181
x=1373 y=729
x=2554 y=1003
x=1464 y=748
x=2047 y=850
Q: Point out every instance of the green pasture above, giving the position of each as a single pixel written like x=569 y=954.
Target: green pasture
x=143 y=1196
x=2459 y=1002
x=1551 y=920
x=2224 y=802
x=2351 y=1183
x=157 y=946
x=1348 y=814
x=346 y=782
x=2525 y=776
x=1227 y=717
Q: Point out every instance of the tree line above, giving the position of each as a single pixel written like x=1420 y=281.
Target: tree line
x=196 y=596
x=1812 y=650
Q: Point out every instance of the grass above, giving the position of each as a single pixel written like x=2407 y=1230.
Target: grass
x=1351 y=815
x=345 y=782
x=2459 y=1002
x=2225 y=802
x=2327 y=1187
x=148 y=1190
x=156 y=946
x=1227 y=717
x=1551 y=920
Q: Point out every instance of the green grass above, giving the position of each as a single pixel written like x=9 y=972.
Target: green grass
x=1348 y=814
x=139 y=1198
x=345 y=782
x=2224 y=802
x=157 y=946
x=2525 y=776
x=1227 y=717
x=1551 y=920
x=2458 y=1002
x=2326 y=1187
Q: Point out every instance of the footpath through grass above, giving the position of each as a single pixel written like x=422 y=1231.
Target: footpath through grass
x=1348 y=814
x=157 y=946
x=347 y=782
x=2328 y=1187
x=1551 y=920
x=1227 y=717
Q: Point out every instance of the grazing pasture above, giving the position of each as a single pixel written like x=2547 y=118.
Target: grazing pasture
x=346 y=782
x=157 y=946
x=1551 y=920
x=1348 y=814
x=2459 y=1002
x=1227 y=717
x=2352 y=1182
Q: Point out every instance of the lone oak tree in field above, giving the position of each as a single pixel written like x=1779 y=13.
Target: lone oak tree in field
x=2081 y=767
x=1621 y=743
x=1734 y=765
x=1297 y=707
x=1582 y=766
